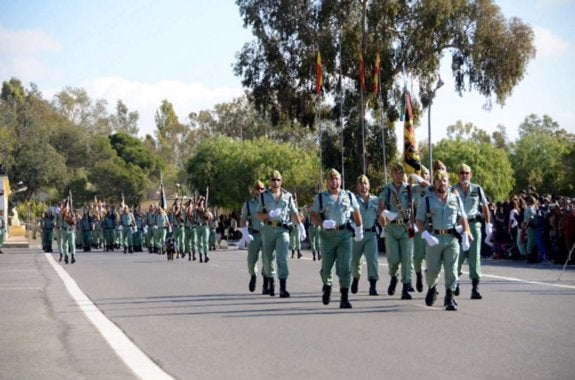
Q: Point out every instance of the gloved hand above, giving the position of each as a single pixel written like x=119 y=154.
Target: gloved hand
x=390 y=215
x=465 y=241
x=488 y=229
x=429 y=239
x=302 y=233
x=415 y=229
x=358 y=233
x=382 y=234
x=328 y=224
x=459 y=229
x=275 y=213
x=246 y=235
x=417 y=179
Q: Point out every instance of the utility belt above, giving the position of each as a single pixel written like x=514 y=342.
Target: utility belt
x=279 y=225
x=190 y=227
x=474 y=219
x=400 y=221
x=252 y=231
x=372 y=229
x=450 y=231
x=341 y=227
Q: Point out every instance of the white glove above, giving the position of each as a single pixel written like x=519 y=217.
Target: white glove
x=358 y=233
x=382 y=234
x=120 y=227
x=429 y=239
x=415 y=229
x=390 y=215
x=459 y=229
x=417 y=179
x=465 y=241
x=275 y=213
x=488 y=239
x=488 y=229
x=328 y=224
x=246 y=235
x=302 y=233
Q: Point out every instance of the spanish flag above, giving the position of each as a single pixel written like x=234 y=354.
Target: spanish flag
x=362 y=72
x=376 y=74
x=319 y=83
x=411 y=159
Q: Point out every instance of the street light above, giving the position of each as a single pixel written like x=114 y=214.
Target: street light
x=437 y=87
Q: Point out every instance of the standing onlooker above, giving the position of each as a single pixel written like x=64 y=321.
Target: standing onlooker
x=276 y=209
x=529 y=221
x=368 y=205
x=476 y=206
x=334 y=210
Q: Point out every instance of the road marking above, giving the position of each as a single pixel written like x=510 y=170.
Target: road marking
x=126 y=350
x=527 y=281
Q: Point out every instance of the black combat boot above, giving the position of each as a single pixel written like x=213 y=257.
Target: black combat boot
x=419 y=282
x=66 y=259
x=194 y=256
x=372 y=288
x=354 y=285
x=125 y=250
x=449 y=302
x=201 y=259
x=405 y=292
x=313 y=253
x=431 y=296
x=456 y=291
x=265 y=286
x=252 y=285
x=410 y=287
x=206 y=258
x=475 y=295
x=318 y=255
x=299 y=255
x=60 y=259
x=130 y=249
x=326 y=297
x=344 y=301
x=292 y=253
x=73 y=260
x=271 y=287
x=283 y=291
x=392 y=285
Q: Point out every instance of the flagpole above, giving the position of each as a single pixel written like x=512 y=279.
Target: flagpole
x=342 y=94
x=383 y=136
x=362 y=108
x=319 y=85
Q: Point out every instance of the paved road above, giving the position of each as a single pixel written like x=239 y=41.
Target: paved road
x=199 y=321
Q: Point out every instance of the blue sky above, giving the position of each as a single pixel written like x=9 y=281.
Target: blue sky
x=145 y=51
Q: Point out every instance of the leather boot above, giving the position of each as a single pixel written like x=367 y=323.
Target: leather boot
x=354 y=285
x=201 y=259
x=206 y=258
x=419 y=282
x=265 y=286
x=60 y=259
x=431 y=296
x=299 y=255
x=405 y=292
x=326 y=297
x=449 y=302
x=271 y=287
x=313 y=253
x=194 y=256
x=125 y=250
x=283 y=291
x=292 y=253
x=475 y=295
x=66 y=259
x=73 y=260
x=252 y=285
x=318 y=256
x=392 y=285
x=372 y=288
x=456 y=291
x=344 y=301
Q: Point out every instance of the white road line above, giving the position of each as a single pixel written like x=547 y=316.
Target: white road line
x=132 y=356
x=528 y=282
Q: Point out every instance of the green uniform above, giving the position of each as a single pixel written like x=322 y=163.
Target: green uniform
x=47 y=222
x=368 y=246
x=179 y=230
x=190 y=235
x=150 y=229
x=336 y=243
x=250 y=218
x=418 y=193
x=127 y=223
x=109 y=226
x=473 y=200
x=162 y=225
x=398 y=242
x=444 y=218
x=68 y=239
x=138 y=234
x=202 y=234
x=86 y=226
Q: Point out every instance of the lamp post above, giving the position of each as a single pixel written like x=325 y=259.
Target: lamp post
x=437 y=87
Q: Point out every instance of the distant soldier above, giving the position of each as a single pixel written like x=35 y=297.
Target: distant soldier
x=162 y=224
x=47 y=225
x=203 y=219
x=190 y=242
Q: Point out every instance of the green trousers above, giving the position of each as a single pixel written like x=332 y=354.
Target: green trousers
x=337 y=249
x=366 y=248
x=446 y=253
x=399 y=250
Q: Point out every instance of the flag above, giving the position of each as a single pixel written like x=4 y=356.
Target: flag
x=362 y=72
x=163 y=202
x=319 y=83
x=123 y=202
x=411 y=159
x=376 y=75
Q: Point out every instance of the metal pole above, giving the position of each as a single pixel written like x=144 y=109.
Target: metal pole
x=429 y=142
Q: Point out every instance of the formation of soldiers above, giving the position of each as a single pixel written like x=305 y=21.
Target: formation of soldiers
x=111 y=228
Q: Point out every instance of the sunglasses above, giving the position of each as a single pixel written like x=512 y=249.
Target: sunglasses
x=463 y=173
x=260 y=188
x=276 y=179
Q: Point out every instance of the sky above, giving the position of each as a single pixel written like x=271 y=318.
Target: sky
x=145 y=51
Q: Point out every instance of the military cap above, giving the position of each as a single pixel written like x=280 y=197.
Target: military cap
x=275 y=175
x=258 y=184
x=363 y=179
x=397 y=167
x=332 y=173
x=440 y=175
x=439 y=165
x=464 y=168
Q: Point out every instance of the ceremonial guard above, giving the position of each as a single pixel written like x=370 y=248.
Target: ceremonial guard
x=476 y=206
x=109 y=225
x=277 y=210
x=335 y=210
x=190 y=230
x=162 y=226
x=67 y=234
x=138 y=234
x=203 y=219
x=86 y=226
x=418 y=191
x=127 y=223
x=251 y=228
x=396 y=216
x=313 y=236
x=150 y=228
x=438 y=216
x=368 y=206
x=47 y=224
x=178 y=225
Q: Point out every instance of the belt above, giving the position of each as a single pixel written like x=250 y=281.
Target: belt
x=399 y=221
x=337 y=228
x=445 y=232
x=254 y=231
x=276 y=224
x=372 y=229
x=474 y=219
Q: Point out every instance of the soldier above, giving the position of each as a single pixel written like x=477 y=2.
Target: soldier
x=47 y=224
x=368 y=205
x=418 y=191
x=68 y=224
x=333 y=210
x=86 y=226
x=162 y=226
x=295 y=238
x=251 y=228
x=396 y=216
x=438 y=216
x=138 y=233
x=313 y=236
x=127 y=223
x=203 y=218
x=190 y=230
x=476 y=205
x=150 y=228
x=179 y=229
x=277 y=209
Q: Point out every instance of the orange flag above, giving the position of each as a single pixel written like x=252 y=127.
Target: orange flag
x=319 y=83
x=362 y=72
x=411 y=159
x=376 y=75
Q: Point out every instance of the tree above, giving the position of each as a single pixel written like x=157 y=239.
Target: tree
x=489 y=53
x=125 y=121
x=76 y=106
x=170 y=134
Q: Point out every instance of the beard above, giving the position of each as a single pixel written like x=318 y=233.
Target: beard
x=441 y=189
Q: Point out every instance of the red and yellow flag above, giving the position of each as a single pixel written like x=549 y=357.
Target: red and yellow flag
x=362 y=72
x=319 y=83
x=376 y=74
x=411 y=158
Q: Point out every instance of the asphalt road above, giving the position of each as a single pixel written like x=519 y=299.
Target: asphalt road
x=199 y=321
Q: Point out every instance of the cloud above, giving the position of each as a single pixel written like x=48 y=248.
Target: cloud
x=548 y=44
x=27 y=42
x=146 y=98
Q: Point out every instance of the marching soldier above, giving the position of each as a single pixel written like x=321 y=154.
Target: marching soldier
x=190 y=230
x=203 y=219
x=138 y=234
x=333 y=210
x=47 y=225
x=179 y=228
x=109 y=226
x=86 y=226
x=313 y=235
x=419 y=191
x=68 y=224
x=368 y=205
x=438 y=216
x=150 y=228
x=127 y=223
x=395 y=215
x=162 y=225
